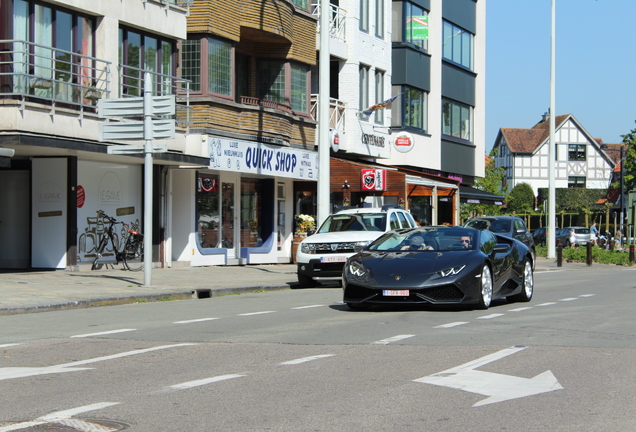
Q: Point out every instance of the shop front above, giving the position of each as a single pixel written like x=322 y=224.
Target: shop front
x=243 y=202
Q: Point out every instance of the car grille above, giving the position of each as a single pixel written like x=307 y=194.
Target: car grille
x=326 y=248
x=442 y=293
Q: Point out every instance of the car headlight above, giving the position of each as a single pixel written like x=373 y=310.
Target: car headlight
x=356 y=269
x=451 y=271
x=307 y=247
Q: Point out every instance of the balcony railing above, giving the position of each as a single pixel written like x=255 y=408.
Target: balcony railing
x=38 y=72
x=336 y=22
x=248 y=100
x=131 y=84
x=180 y=3
x=336 y=112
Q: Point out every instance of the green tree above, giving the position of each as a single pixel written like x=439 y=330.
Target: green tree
x=629 y=140
x=491 y=182
x=521 y=199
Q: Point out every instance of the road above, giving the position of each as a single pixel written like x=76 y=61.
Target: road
x=299 y=360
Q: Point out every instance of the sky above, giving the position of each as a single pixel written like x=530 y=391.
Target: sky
x=595 y=65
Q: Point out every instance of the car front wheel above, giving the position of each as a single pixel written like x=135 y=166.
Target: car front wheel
x=485 y=296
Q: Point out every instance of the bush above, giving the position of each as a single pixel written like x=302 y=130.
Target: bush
x=599 y=255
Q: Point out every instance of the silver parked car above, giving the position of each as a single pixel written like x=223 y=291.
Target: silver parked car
x=582 y=235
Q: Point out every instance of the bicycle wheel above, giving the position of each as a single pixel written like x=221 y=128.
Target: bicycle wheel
x=134 y=252
x=99 y=251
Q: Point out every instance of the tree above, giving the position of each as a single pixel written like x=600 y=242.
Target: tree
x=491 y=182
x=629 y=140
x=521 y=199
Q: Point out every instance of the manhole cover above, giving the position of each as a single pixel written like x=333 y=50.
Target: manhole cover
x=69 y=425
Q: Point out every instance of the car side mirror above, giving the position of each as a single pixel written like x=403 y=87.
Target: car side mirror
x=501 y=248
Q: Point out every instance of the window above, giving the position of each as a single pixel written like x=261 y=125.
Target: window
x=140 y=52
x=303 y=4
x=456 y=120
x=379 y=95
x=379 y=18
x=415 y=25
x=208 y=216
x=414 y=108
x=272 y=80
x=364 y=15
x=576 y=152
x=576 y=182
x=364 y=87
x=191 y=63
x=458 y=45
x=299 y=88
x=219 y=67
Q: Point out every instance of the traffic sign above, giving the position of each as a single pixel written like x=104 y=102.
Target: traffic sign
x=134 y=130
x=134 y=107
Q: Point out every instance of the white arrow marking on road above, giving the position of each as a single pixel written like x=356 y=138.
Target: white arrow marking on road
x=59 y=417
x=22 y=372
x=498 y=387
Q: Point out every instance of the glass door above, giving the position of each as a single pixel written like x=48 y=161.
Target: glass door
x=229 y=238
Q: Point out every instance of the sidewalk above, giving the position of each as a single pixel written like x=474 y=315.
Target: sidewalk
x=28 y=292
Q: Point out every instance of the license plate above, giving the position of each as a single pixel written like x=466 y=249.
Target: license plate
x=333 y=259
x=395 y=293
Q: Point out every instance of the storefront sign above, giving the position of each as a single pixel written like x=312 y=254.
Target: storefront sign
x=373 y=180
x=403 y=142
x=207 y=184
x=335 y=140
x=374 y=140
x=258 y=158
x=81 y=196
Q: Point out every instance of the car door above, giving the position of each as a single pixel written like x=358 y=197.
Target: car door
x=521 y=233
x=487 y=242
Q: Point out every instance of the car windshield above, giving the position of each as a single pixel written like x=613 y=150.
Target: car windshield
x=354 y=222
x=494 y=225
x=425 y=240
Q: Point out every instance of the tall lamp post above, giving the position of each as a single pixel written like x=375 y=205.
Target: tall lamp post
x=550 y=235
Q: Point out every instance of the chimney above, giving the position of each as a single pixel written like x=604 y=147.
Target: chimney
x=545 y=117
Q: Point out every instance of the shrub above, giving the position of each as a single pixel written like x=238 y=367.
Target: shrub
x=599 y=255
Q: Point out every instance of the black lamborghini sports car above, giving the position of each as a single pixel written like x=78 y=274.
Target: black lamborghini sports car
x=438 y=265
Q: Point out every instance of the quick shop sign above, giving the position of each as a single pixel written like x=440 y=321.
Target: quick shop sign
x=257 y=158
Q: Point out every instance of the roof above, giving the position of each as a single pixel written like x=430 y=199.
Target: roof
x=471 y=195
x=528 y=140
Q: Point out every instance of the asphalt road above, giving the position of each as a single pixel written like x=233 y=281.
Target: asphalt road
x=299 y=360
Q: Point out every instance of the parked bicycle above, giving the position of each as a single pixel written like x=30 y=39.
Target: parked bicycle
x=132 y=251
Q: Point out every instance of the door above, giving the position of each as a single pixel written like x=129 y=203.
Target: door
x=230 y=227
x=14 y=219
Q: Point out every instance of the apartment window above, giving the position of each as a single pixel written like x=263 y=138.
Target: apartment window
x=456 y=119
x=299 y=88
x=576 y=152
x=415 y=25
x=140 y=52
x=458 y=45
x=191 y=63
x=364 y=87
x=379 y=95
x=364 y=15
x=272 y=80
x=414 y=108
x=219 y=67
x=379 y=18
x=576 y=182
x=303 y=4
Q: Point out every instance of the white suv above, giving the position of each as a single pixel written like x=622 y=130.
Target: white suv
x=322 y=255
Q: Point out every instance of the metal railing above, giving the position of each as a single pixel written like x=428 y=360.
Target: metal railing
x=131 y=84
x=180 y=3
x=38 y=72
x=336 y=112
x=265 y=103
x=337 y=21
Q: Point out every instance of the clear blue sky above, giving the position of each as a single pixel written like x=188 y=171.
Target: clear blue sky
x=595 y=64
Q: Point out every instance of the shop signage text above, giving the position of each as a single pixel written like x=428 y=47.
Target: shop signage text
x=373 y=140
x=373 y=179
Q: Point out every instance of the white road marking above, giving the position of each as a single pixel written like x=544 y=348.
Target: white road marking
x=587 y=295
x=520 y=309
x=9 y=345
x=256 y=313
x=546 y=304
x=391 y=339
x=103 y=333
x=491 y=316
x=569 y=299
x=548 y=271
x=204 y=381
x=22 y=372
x=497 y=387
x=194 y=321
x=449 y=325
x=60 y=417
x=306 y=359
x=307 y=307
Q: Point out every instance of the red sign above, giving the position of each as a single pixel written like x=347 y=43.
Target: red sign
x=373 y=180
x=207 y=184
x=81 y=196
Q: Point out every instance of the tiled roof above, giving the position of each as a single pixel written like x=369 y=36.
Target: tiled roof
x=528 y=140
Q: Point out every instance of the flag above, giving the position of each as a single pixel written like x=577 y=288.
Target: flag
x=380 y=105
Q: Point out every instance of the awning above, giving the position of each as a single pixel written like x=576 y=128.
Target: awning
x=471 y=195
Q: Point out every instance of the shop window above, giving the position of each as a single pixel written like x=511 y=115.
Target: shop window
x=251 y=197
x=207 y=214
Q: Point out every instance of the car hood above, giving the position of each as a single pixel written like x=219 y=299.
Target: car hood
x=416 y=268
x=343 y=237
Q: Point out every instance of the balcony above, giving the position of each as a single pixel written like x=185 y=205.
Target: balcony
x=336 y=23
x=336 y=112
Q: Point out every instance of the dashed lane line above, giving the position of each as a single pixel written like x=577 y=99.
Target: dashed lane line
x=546 y=304
x=306 y=359
x=569 y=299
x=256 y=313
x=449 y=325
x=202 y=382
x=392 y=339
x=491 y=316
x=587 y=295
x=307 y=307
x=520 y=309
x=194 y=321
x=103 y=333
x=9 y=345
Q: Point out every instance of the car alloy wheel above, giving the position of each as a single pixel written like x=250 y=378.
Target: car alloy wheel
x=485 y=297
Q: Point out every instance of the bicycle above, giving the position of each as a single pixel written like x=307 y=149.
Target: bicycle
x=132 y=252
